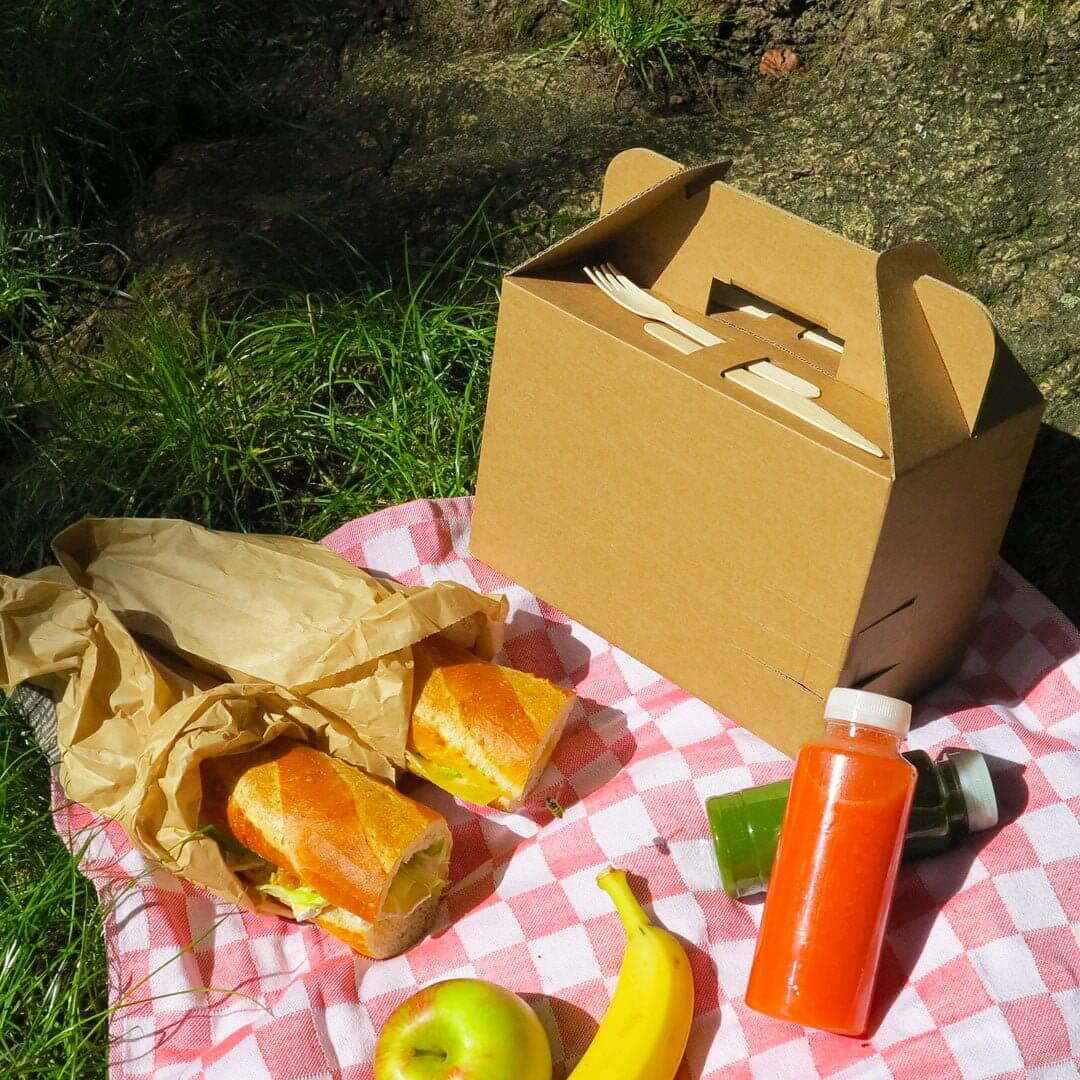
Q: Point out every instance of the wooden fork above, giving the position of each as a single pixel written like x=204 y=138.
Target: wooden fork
x=625 y=293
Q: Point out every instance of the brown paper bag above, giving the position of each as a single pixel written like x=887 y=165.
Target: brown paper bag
x=173 y=643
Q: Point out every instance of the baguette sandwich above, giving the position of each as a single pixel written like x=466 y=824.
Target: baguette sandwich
x=481 y=731
x=336 y=846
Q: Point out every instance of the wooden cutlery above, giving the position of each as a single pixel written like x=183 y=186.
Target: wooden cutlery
x=625 y=293
x=762 y=377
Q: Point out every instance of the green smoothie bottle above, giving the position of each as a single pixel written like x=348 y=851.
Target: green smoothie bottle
x=954 y=797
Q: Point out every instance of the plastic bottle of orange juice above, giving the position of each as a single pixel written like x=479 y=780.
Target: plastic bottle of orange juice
x=835 y=870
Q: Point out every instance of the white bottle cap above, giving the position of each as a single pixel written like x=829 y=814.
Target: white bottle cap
x=873 y=710
x=980 y=799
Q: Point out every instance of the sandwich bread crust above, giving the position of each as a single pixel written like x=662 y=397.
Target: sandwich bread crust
x=480 y=730
x=339 y=831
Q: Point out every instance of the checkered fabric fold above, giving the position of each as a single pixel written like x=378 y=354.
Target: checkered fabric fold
x=980 y=974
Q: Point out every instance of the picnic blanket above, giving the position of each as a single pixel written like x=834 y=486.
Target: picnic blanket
x=980 y=974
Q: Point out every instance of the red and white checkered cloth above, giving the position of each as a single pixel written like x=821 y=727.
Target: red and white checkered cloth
x=981 y=971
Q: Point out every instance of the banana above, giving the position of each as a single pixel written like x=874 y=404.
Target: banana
x=644 y=1032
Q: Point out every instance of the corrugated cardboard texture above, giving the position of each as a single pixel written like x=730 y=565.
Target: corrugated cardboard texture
x=748 y=556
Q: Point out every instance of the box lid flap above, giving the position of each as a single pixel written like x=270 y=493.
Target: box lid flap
x=948 y=374
x=639 y=168
x=925 y=416
x=988 y=381
x=965 y=338
x=630 y=172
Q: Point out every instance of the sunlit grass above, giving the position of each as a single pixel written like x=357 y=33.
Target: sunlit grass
x=290 y=417
x=53 y=991
x=644 y=36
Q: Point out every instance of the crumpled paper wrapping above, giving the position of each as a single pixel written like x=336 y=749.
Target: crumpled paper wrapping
x=167 y=643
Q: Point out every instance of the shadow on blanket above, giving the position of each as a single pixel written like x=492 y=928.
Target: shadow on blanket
x=924 y=887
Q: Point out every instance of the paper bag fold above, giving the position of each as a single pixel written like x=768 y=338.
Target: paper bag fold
x=175 y=643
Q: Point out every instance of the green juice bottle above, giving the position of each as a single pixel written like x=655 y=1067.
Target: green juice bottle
x=954 y=797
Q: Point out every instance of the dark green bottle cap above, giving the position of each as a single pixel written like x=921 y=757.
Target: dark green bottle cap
x=976 y=787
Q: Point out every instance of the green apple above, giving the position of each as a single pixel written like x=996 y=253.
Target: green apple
x=463 y=1029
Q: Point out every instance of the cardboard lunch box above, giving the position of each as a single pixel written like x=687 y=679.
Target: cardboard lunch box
x=748 y=556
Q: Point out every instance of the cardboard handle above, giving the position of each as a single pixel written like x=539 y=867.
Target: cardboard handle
x=964 y=334
x=631 y=172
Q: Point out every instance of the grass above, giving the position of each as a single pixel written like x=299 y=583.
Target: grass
x=31 y=261
x=53 y=1019
x=93 y=90
x=961 y=259
x=644 y=37
x=290 y=417
x=40 y=287
x=91 y=94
